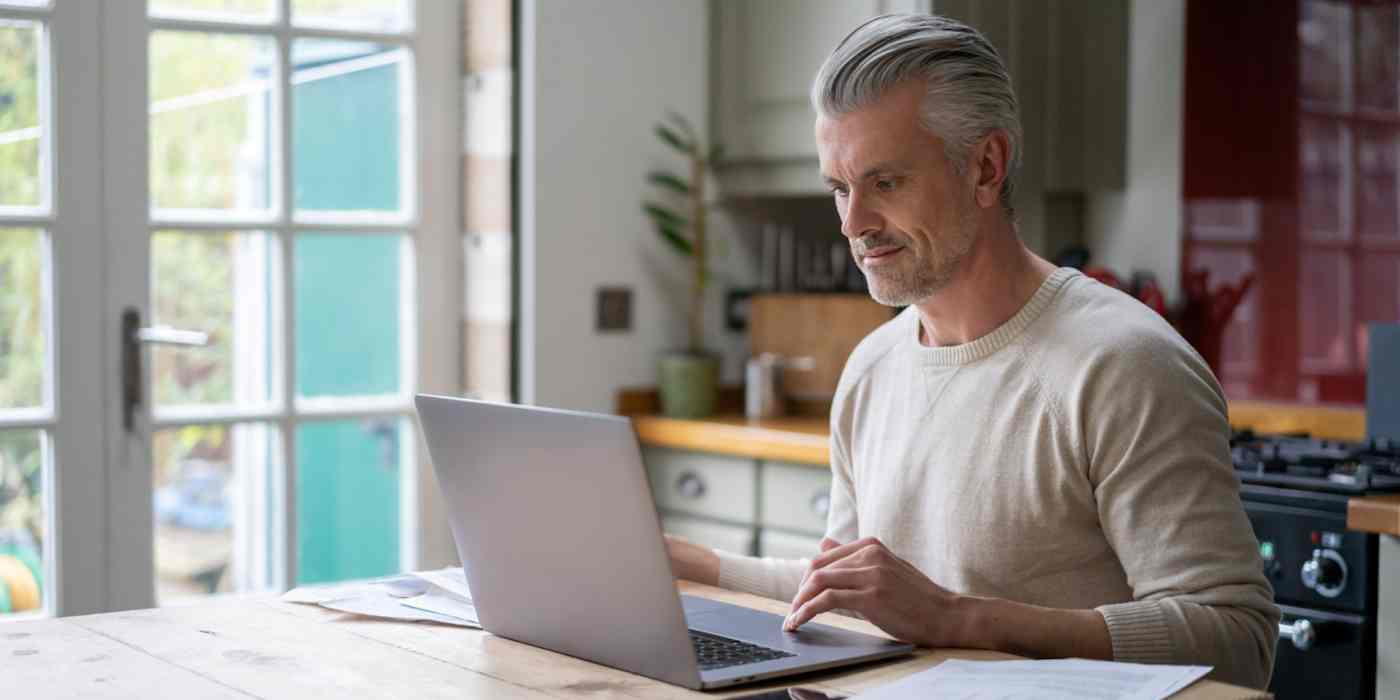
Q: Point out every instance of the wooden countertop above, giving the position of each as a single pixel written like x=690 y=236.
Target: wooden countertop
x=804 y=439
x=791 y=439
x=1378 y=514
x=260 y=647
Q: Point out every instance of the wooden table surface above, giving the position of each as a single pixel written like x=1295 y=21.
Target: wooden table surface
x=260 y=647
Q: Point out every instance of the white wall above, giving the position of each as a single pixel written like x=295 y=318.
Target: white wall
x=1139 y=228
x=596 y=76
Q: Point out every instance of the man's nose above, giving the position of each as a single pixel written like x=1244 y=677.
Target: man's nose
x=859 y=219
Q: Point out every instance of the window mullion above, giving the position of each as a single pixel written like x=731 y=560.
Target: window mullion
x=286 y=546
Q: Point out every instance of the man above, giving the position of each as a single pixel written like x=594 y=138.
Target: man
x=1024 y=459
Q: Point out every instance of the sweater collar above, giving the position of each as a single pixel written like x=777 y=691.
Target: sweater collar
x=1003 y=335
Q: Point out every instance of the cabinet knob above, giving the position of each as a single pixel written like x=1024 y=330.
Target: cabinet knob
x=821 y=503
x=690 y=485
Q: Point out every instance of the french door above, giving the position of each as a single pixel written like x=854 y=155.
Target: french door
x=228 y=258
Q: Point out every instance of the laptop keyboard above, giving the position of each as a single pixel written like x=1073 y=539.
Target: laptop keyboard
x=713 y=651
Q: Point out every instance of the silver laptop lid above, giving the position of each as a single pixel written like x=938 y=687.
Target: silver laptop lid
x=553 y=518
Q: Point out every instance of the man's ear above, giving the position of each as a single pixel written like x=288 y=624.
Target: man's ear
x=991 y=158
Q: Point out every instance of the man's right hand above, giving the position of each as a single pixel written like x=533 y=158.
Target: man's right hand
x=693 y=562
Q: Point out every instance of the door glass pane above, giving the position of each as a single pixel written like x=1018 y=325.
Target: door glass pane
x=211 y=121
x=1324 y=33
x=351 y=313
x=369 y=15
x=347 y=489
x=215 y=486
x=1324 y=148
x=22 y=521
x=348 y=144
x=20 y=131
x=222 y=284
x=1378 y=64
x=238 y=10
x=1378 y=182
x=1325 y=314
x=23 y=312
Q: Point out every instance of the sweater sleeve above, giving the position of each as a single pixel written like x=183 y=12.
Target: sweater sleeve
x=766 y=576
x=1156 y=441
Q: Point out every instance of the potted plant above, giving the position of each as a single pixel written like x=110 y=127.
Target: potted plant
x=689 y=377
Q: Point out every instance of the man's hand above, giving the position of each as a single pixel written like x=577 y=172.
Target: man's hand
x=692 y=562
x=864 y=576
x=867 y=578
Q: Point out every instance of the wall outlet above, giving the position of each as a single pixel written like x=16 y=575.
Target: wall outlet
x=614 y=312
x=736 y=309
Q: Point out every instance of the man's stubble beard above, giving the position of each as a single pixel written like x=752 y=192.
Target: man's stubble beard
x=902 y=287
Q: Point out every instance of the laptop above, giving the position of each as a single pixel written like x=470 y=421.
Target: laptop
x=554 y=521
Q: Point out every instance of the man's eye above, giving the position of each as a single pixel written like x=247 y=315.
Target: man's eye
x=885 y=185
x=839 y=191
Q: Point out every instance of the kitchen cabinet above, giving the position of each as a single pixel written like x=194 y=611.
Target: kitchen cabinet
x=763 y=58
x=740 y=505
x=1068 y=59
x=794 y=497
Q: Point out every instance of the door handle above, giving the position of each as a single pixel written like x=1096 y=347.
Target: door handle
x=133 y=335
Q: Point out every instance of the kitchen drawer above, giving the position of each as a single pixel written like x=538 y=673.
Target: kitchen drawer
x=795 y=497
x=703 y=484
x=730 y=538
x=788 y=546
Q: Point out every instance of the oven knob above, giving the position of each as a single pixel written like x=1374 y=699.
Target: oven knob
x=1325 y=573
x=1300 y=632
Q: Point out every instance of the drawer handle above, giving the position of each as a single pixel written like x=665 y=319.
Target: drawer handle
x=690 y=485
x=821 y=503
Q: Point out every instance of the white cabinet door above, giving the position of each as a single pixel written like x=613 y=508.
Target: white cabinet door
x=782 y=545
x=765 y=56
x=1067 y=58
x=707 y=485
x=729 y=538
x=795 y=497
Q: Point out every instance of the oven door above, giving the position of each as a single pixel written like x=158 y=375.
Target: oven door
x=1324 y=655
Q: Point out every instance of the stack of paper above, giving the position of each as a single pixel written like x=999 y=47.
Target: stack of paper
x=1044 y=680
x=423 y=596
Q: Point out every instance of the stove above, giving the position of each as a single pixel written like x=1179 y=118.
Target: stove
x=1298 y=461
x=1295 y=491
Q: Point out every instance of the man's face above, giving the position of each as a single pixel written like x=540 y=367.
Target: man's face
x=909 y=216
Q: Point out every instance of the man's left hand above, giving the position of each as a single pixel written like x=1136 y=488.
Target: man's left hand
x=864 y=576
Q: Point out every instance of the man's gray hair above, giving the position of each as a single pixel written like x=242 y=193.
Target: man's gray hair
x=969 y=90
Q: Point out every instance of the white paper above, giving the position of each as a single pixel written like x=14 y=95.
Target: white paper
x=403 y=585
x=433 y=596
x=451 y=579
x=381 y=605
x=1058 y=679
x=444 y=604
x=319 y=594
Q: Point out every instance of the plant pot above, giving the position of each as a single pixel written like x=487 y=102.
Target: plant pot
x=688 y=384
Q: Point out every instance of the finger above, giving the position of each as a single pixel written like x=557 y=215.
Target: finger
x=842 y=551
x=829 y=544
x=827 y=600
x=833 y=577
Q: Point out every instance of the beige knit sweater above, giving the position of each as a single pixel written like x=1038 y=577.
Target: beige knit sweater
x=1075 y=457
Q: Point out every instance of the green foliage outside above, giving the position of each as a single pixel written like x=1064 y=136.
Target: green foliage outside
x=19 y=109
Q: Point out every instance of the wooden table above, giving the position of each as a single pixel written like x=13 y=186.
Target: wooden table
x=260 y=647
